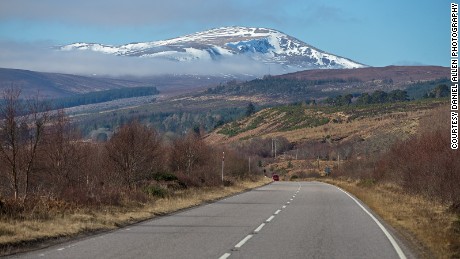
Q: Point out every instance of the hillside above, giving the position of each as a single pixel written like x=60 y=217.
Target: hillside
x=226 y=102
x=319 y=84
x=397 y=74
x=59 y=85
x=176 y=112
x=367 y=128
x=56 y=85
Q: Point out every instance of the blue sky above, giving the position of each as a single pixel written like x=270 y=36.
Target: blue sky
x=373 y=32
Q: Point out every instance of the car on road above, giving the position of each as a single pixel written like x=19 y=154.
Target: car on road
x=276 y=177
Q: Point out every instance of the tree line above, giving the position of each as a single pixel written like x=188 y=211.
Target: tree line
x=104 y=96
x=43 y=155
x=378 y=96
x=275 y=86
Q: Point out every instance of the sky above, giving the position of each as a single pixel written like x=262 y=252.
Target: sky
x=372 y=32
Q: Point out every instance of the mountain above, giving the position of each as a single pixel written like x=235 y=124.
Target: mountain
x=268 y=46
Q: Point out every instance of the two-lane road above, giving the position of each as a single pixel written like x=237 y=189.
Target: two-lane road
x=280 y=220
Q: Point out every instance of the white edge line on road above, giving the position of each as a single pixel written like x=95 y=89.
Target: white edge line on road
x=60 y=249
x=259 y=228
x=278 y=211
x=225 y=256
x=270 y=218
x=241 y=243
x=385 y=231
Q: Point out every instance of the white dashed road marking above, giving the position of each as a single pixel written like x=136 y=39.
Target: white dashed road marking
x=270 y=218
x=259 y=228
x=225 y=256
x=242 y=242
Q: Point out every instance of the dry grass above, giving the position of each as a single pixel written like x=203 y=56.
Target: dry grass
x=21 y=235
x=427 y=224
x=403 y=124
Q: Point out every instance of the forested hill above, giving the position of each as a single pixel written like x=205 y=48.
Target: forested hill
x=103 y=96
x=318 y=84
x=397 y=74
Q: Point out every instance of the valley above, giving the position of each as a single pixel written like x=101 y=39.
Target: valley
x=228 y=129
x=341 y=126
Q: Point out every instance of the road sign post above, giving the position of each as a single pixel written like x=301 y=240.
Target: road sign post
x=223 y=159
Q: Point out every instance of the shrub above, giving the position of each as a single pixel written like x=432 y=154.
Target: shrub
x=187 y=181
x=423 y=164
x=228 y=182
x=156 y=191
x=164 y=176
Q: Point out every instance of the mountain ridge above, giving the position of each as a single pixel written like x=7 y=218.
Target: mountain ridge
x=267 y=46
x=362 y=79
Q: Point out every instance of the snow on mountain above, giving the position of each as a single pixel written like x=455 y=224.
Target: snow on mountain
x=263 y=45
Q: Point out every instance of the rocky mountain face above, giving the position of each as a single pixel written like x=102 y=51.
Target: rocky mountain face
x=263 y=45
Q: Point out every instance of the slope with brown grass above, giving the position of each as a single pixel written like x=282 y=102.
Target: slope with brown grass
x=300 y=123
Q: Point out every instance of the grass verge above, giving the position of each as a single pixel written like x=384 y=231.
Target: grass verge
x=23 y=235
x=430 y=226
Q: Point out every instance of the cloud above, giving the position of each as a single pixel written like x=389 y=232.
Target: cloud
x=40 y=57
x=135 y=12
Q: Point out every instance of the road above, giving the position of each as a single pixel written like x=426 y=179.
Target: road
x=280 y=220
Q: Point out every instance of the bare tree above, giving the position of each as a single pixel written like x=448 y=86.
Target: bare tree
x=134 y=152
x=61 y=156
x=9 y=112
x=22 y=124
x=188 y=152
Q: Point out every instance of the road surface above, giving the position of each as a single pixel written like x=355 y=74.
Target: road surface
x=280 y=220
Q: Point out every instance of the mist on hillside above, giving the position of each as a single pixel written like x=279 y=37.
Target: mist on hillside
x=44 y=58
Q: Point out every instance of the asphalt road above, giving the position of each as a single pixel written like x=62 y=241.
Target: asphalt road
x=280 y=220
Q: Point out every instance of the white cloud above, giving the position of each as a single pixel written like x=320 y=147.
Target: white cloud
x=135 y=12
x=40 y=57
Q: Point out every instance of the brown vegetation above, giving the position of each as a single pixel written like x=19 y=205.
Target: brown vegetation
x=423 y=164
x=414 y=185
x=431 y=227
x=133 y=153
x=397 y=159
x=53 y=221
x=398 y=74
x=21 y=132
x=50 y=176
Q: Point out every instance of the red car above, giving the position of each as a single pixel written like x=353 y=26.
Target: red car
x=276 y=177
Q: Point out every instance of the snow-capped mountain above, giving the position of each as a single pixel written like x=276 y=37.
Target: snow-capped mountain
x=260 y=44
